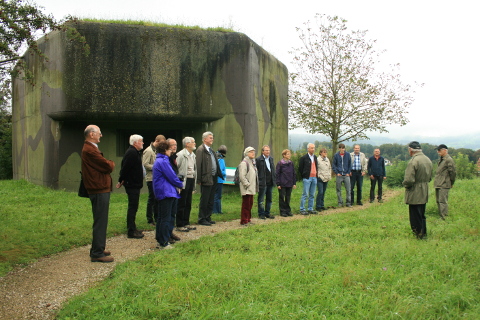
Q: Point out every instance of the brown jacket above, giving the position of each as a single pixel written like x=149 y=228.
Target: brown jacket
x=204 y=167
x=96 y=170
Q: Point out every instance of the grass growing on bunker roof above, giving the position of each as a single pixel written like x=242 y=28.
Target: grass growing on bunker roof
x=157 y=24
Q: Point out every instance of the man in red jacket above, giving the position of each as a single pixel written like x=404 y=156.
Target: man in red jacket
x=98 y=182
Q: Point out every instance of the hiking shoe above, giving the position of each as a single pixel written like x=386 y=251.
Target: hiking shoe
x=102 y=259
x=182 y=229
x=136 y=235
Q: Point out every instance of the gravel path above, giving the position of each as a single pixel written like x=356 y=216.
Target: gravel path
x=38 y=290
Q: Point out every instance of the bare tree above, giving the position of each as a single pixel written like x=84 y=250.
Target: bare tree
x=336 y=90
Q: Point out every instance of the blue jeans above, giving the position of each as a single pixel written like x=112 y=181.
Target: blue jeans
x=322 y=187
x=217 y=199
x=266 y=192
x=309 y=186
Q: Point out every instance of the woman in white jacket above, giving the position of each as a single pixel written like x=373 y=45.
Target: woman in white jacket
x=247 y=172
x=324 y=174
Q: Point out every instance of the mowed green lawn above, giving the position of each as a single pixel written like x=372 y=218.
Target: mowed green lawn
x=358 y=265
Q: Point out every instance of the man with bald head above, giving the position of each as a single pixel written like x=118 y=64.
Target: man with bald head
x=148 y=159
x=98 y=182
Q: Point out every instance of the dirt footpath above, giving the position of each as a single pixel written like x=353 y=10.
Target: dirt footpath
x=38 y=290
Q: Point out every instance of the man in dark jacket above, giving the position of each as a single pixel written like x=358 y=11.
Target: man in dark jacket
x=266 y=181
x=376 y=171
x=308 y=169
x=208 y=170
x=131 y=177
x=342 y=166
x=98 y=182
x=444 y=179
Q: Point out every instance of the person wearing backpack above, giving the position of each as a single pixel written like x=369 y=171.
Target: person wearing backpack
x=248 y=176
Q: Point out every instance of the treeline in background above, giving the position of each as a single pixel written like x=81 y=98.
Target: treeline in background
x=466 y=160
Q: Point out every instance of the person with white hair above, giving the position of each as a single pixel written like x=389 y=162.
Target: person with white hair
x=417 y=176
x=131 y=177
x=247 y=172
x=208 y=170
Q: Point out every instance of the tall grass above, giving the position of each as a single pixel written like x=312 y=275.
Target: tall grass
x=356 y=265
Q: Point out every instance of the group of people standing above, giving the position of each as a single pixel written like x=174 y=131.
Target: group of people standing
x=172 y=177
x=349 y=169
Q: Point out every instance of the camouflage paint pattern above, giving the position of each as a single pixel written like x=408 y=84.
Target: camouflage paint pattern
x=138 y=79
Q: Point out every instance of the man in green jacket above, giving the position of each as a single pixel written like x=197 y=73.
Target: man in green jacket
x=444 y=179
x=417 y=176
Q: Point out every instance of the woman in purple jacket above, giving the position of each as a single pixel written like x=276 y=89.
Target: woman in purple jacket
x=286 y=180
x=166 y=187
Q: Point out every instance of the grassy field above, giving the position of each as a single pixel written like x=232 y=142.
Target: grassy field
x=357 y=265
x=37 y=221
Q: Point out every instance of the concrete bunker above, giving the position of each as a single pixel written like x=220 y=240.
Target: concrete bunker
x=149 y=81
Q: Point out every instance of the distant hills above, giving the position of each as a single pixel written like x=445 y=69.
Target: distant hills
x=296 y=140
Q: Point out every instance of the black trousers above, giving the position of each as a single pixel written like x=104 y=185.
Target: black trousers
x=206 y=202
x=356 y=179
x=373 y=181
x=151 y=204
x=133 y=200
x=418 y=222
x=100 y=204
x=185 y=204
x=284 y=195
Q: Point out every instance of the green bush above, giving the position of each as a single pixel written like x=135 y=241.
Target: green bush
x=5 y=147
x=465 y=168
x=396 y=173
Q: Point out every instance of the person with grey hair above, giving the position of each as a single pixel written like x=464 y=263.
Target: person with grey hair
x=96 y=177
x=417 y=176
x=266 y=180
x=217 y=199
x=307 y=167
x=208 y=170
x=187 y=172
x=131 y=177
x=444 y=179
x=247 y=172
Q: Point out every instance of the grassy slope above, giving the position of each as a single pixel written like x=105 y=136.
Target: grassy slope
x=356 y=265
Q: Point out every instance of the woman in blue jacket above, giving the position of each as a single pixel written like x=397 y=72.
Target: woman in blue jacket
x=217 y=200
x=166 y=186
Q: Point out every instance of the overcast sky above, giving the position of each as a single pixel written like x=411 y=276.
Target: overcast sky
x=435 y=42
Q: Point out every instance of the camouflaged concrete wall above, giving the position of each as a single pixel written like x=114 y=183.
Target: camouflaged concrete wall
x=138 y=79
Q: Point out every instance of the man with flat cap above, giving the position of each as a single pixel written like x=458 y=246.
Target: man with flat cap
x=444 y=179
x=417 y=176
